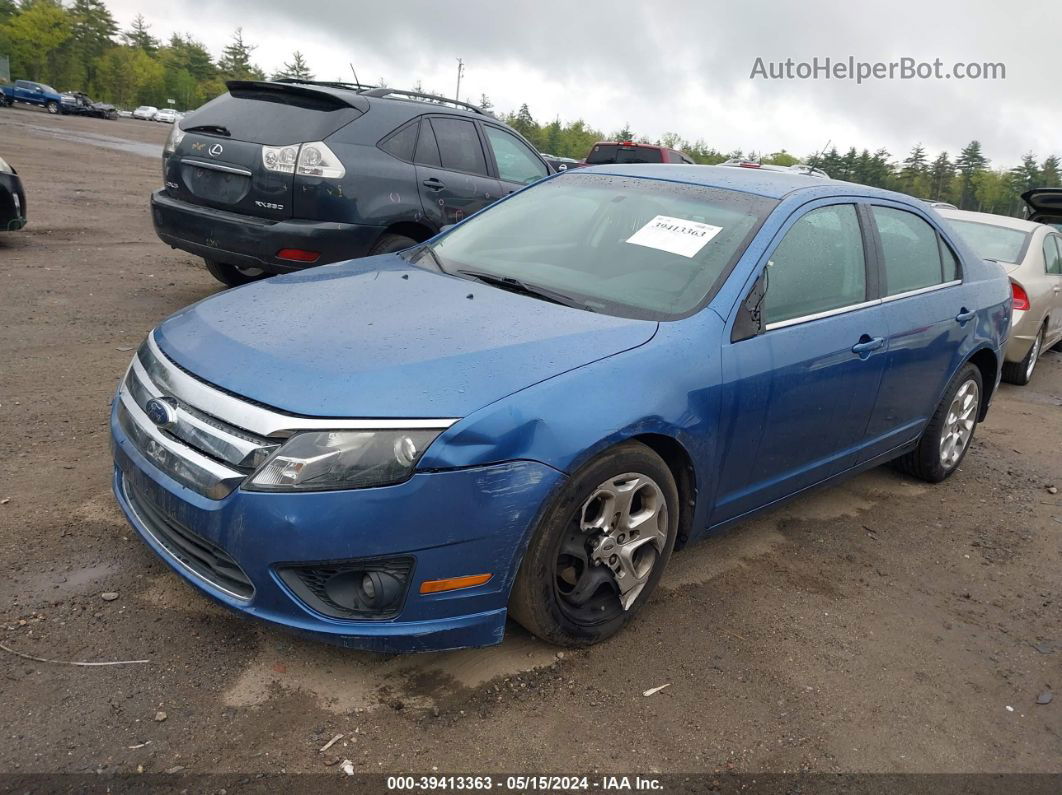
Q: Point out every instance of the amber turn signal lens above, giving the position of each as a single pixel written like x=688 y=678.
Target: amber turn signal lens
x=454 y=583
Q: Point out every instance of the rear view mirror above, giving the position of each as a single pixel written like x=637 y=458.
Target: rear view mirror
x=749 y=321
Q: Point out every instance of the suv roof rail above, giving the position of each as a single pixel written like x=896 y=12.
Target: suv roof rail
x=387 y=92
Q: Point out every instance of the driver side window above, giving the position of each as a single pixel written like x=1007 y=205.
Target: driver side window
x=819 y=266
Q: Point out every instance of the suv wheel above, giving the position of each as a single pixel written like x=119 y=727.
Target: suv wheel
x=233 y=276
x=390 y=243
x=53 y=107
x=599 y=549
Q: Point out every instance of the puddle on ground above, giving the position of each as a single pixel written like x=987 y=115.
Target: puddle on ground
x=106 y=141
x=342 y=680
x=57 y=585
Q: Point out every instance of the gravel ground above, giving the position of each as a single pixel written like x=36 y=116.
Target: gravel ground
x=884 y=625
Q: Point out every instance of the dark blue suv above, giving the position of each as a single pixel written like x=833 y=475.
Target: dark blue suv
x=272 y=177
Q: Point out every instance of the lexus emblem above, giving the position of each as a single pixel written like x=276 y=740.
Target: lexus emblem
x=216 y=150
x=161 y=412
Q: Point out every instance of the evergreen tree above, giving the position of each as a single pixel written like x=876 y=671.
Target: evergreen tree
x=235 y=62
x=485 y=103
x=913 y=176
x=1050 y=173
x=298 y=69
x=139 y=37
x=970 y=162
x=940 y=176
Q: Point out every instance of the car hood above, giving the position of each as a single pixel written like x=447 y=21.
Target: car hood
x=1043 y=203
x=380 y=338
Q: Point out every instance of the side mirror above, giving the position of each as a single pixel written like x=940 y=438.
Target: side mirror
x=749 y=321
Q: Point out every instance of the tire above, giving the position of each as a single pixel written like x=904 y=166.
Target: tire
x=560 y=593
x=232 y=276
x=52 y=107
x=931 y=460
x=390 y=243
x=1020 y=373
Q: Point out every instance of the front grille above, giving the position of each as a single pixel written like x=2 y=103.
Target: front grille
x=203 y=558
x=316 y=585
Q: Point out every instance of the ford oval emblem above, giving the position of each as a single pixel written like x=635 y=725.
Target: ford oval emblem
x=161 y=412
x=216 y=150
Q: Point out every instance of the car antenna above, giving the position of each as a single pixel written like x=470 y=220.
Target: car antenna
x=817 y=156
x=355 y=71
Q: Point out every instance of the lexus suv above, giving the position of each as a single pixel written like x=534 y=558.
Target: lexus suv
x=273 y=177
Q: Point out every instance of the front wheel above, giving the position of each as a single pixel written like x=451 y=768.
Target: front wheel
x=52 y=107
x=390 y=243
x=948 y=434
x=232 y=275
x=599 y=549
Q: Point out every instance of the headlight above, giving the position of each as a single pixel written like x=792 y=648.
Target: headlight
x=317 y=160
x=322 y=460
x=176 y=136
x=5 y=168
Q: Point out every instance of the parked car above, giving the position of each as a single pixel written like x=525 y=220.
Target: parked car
x=609 y=152
x=30 y=93
x=145 y=112
x=166 y=116
x=797 y=168
x=12 y=199
x=558 y=163
x=942 y=205
x=272 y=177
x=125 y=114
x=1031 y=253
x=527 y=413
x=77 y=103
x=1044 y=205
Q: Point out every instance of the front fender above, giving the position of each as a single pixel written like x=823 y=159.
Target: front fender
x=667 y=387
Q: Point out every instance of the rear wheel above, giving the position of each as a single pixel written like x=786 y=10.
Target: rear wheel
x=389 y=243
x=52 y=107
x=599 y=550
x=948 y=435
x=232 y=275
x=1020 y=373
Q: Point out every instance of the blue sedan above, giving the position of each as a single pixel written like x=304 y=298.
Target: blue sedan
x=528 y=414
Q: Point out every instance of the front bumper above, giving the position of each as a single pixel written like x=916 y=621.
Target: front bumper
x=12 y=203
x=453 y=523
x=250 y=242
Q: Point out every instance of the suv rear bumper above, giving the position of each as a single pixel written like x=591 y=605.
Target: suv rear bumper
x=250 y=242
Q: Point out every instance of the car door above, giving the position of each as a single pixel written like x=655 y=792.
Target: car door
x=516 y=163
x=928 y=312
x=452 y=174
x=797 y=397
x=1053 y=268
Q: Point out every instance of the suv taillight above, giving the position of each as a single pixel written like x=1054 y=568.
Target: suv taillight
x=317 y=160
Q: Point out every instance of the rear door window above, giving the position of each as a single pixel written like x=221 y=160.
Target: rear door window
x=516 y=163
x=427 y=147
x=459 y=146
x=1052 y=254
x=911 y=250
x=819 y=266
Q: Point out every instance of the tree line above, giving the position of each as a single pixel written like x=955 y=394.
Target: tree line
x=80 y=47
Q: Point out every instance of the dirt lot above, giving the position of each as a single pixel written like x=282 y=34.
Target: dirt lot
x=884 y=625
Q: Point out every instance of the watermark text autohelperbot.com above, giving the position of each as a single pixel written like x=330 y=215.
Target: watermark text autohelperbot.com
x=863 y=71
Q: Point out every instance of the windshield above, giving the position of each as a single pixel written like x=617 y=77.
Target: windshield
x=615 y=153
x=626 y=246
x=988 y=241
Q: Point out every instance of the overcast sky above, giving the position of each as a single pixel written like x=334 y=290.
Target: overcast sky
x=681 y=66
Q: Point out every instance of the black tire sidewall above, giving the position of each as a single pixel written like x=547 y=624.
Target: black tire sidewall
x=390 y=243
x=929 y=447
x=534 y=600
x=230 y=275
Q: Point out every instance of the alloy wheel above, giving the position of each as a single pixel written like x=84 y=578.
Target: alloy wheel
x=959 y=424
x=611 y=547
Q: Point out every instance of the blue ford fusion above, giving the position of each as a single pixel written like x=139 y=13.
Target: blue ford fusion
x=528 y=414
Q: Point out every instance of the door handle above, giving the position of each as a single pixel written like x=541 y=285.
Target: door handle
x=867 y=345
x=433 y=184
x=964 y=315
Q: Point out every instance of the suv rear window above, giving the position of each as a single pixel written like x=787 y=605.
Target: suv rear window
x=274 y=117
x=616 y=153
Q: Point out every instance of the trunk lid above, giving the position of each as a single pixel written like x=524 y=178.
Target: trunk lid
x=1044 y=205
x=219 y=162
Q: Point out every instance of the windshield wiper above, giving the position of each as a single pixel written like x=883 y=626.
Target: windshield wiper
x=523 y=288
x=217 y=129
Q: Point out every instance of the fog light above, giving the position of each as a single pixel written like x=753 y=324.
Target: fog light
x=380 y=589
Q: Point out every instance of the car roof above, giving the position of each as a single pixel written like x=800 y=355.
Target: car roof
x=764 y=182
x=990 y=218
